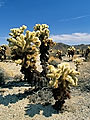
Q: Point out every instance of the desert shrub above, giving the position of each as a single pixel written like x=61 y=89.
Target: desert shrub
x=54 y=61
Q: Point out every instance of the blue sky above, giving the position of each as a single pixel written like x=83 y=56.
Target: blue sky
x=69 y=20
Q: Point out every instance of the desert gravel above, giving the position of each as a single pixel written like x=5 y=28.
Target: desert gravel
x=15 y=105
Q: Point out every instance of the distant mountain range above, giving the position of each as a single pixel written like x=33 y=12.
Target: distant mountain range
x=58 y=46
x=64 y=47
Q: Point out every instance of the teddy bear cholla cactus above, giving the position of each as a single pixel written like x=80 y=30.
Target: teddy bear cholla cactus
x=25 y=48
x=2 y=52
x=78 y=51
x=78 y=62
x=61 y=78
x=59 y=54
x=71 y=51
x=87 y=52
x=46 y=42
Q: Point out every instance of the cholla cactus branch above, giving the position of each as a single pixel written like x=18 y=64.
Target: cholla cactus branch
x=43 y=34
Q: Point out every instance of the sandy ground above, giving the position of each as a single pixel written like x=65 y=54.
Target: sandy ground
x=15 y=105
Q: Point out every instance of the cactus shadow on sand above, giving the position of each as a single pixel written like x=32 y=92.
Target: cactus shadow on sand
x=5 y=100
x=46 y=110
x=12 y=84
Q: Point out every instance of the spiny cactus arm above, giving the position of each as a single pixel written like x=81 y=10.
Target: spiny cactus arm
x=44 y=31
x=70 y=80
x=51 y=75
x=75 y=79
x=74 y=72
x=89 y=47
x=17 y=31
x=51 y=68
x=19 y=61
x=48 y=41
x=78 y=61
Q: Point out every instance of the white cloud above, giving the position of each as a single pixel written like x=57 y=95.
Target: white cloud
x=74 y=18
x=72 y=39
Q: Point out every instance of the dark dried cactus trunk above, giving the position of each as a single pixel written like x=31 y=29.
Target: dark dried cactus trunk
x=44 y=56
x=34 y=78
x=60 y=94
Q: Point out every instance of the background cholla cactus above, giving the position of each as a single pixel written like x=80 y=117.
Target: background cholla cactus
x=78 y=62
x=2 y=52
x=71 y=51
x=61 y=78
x=46 y=42
x=78 y=51
x=59 y=54
x=87 y=52
x=25 y=48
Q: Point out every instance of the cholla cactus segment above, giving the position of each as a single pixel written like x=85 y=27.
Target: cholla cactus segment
x=89 y=47
x=78 y=61
x=48 y=42
x=40 y=27
x=71 y=48
x=23 y=27
x=42 y=30
x=19 y=61
x=17 y=31
x=63 y=74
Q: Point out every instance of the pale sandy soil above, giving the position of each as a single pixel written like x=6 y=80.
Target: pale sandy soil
x=15 y=105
